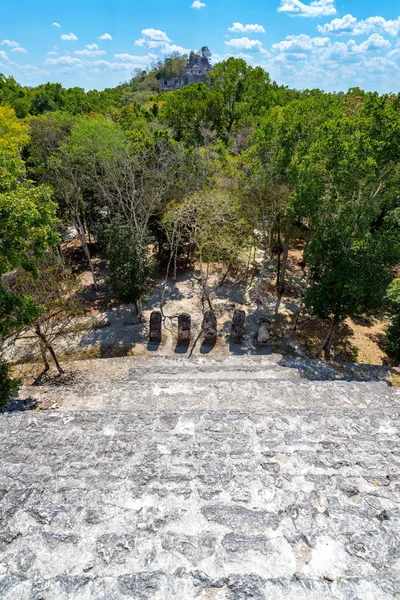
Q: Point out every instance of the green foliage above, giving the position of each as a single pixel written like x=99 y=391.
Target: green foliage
x=392 y=334
x=392 y=338
x=129 y=266
x=27 y=220
x=8 y=385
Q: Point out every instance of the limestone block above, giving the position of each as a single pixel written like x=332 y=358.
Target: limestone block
x=237 y=330
x=264 y=331
x=210 y=327
x=155 y=326
x=184 y=324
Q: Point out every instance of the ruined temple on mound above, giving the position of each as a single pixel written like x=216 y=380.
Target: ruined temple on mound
x=196 y=71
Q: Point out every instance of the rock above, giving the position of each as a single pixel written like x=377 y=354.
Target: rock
x=115 y=547
x=194 y=548
x=264 y=331
x=155 y=334
x=184 y=324
x=210 y=327
x=237 y=330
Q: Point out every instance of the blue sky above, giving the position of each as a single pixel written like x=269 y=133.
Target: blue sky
x=330 y=44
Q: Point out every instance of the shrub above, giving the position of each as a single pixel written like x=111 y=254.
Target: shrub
x=8 y=385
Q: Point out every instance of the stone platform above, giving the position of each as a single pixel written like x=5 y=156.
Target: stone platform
x=211 y=479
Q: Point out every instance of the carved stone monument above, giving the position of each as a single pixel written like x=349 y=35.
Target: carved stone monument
x=210 y=327
x=237 y=330
x=184 y=324
x=155 y=326
x=264 y=331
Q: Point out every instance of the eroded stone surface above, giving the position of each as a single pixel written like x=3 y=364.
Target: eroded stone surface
x=197 y=489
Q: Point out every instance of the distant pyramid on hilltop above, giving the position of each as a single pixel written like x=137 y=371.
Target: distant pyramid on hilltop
x=196 y=71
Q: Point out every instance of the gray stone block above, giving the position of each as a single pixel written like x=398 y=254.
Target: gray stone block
x=155 y=333
x=237 y=330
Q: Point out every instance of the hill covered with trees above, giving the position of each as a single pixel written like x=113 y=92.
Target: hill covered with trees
x=207 y=174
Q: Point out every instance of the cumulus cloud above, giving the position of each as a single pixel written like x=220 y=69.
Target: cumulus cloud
x=350 y=25
x=162 y=47
x=244 y=44
x=128 y=57
x=156 y=35
x=63 y=60
x=300 y=42
x=9 y=43
x=69 y=36
x=52 y=53
x=240 y=28
x=3 y=55
x=318 y=8
x=197 y=4
x=15 y=47
x=105 y=36
x=57 y=25
x=90 y=50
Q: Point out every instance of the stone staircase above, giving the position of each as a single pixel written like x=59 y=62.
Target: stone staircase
x=223 y=478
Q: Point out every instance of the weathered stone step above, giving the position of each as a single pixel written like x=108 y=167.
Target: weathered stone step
x=262 y=394
x=173 y=504
x=223 y=372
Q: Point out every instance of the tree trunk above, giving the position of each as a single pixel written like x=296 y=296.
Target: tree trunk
x=189 y=251
x=297 y=317
x=283 y=267
x=326 y=348
x=175 y=261
x=139 y=309
x=224 y=276
x=48 y=347
x=44 y=357
x=278 y=275
x=82 y=237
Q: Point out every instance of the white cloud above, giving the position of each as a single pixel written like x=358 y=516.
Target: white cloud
x=105 y=36
x=9 y=43
x=68 y=36
x=374 y=42
x=57 y=25
x=162 y=47
x=63 y=60
x=20 y=49
x=197 y=5
x=52 y=53
x=349 y=25
x=90 y=50
x=128 y=57
x=240 y=28
x=300 y=42
x=3 y=55
x=318 y=8
x=156 y=34
x=244 y=43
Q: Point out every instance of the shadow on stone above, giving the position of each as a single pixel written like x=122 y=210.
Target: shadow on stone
x=206 y=347
x=181 y=348
x=153 y=346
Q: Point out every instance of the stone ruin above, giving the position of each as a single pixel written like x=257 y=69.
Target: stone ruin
x=223 y=478
x=237 y=329
x=210 y=327
x=264 y=331
x=155 y=334
x=184 y=326
x=196 y=71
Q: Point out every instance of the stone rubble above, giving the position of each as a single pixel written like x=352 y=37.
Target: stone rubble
x=228 y=479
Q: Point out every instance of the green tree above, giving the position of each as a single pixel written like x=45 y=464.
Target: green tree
x=27 y=222
x=392 y=334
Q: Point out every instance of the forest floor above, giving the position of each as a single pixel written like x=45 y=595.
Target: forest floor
x=108 y=328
